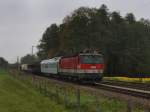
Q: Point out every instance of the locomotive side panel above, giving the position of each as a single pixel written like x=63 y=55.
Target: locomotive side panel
x=68 y=65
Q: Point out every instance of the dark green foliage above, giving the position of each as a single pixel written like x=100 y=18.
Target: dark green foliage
x=124 y=41
x=29 y=59
x=49 y=41
x=130 y=18
x=3 y=63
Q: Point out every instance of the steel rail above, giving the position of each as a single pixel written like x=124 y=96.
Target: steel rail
x=120 y=89
x=134 y=85
x=124 y=90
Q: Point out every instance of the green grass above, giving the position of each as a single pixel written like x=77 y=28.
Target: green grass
x=90 y=102
x=2 y=71
x=18 y=97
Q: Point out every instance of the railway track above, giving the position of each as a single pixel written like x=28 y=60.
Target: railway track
x=136 y=90
x=124 y=90
x=131 y=89
x=134 y=85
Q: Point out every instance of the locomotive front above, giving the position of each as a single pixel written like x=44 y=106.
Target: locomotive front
x=91 y=66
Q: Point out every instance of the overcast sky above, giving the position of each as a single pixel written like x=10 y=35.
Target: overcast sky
x=22 y=22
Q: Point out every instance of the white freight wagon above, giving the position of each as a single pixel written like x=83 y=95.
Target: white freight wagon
x=50 y=66
x=24 y=67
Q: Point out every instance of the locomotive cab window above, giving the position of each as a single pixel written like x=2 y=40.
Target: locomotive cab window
x=91 y=59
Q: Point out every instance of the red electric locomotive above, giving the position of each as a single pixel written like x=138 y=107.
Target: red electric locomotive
x=83 y=66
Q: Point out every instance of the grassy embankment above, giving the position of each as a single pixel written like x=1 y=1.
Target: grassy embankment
x=16 y=96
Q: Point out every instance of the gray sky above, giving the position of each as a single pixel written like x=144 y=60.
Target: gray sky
x=22 y=22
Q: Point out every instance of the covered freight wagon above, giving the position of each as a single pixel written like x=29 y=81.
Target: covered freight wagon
x=50 y=66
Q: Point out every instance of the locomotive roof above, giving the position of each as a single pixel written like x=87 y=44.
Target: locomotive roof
x=90 y=54
x=82 y=54
x=55 y=59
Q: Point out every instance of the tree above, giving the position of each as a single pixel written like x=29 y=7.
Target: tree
x=130 y=18
x=3 y=63
x=49 y=42
x=29 y=59
x=76 y=30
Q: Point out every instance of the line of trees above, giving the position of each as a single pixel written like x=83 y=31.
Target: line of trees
x=29 y=59
x=124 y=41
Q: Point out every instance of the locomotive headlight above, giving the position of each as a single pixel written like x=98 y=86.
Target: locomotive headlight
x=101 y=71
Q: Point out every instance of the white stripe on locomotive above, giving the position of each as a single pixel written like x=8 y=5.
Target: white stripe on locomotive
x=80 y=71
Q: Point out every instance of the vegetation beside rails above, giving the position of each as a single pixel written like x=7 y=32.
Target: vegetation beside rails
x=3 y=71
x=127 y=79
x=74 y=99
x=16 y=96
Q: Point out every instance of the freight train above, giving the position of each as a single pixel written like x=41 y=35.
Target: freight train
x=82 y=66
x=31 y=68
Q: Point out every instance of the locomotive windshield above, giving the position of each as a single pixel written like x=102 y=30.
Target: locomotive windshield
x=91 y=59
